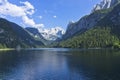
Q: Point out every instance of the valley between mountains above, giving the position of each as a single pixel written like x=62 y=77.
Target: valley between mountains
x=98 y=29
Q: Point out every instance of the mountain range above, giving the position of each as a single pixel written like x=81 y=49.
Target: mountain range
x=52 y=34
x=98 y=29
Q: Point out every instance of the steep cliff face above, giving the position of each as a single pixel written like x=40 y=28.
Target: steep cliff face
x=112 y=19
x=84 y=23
x=105 y=34
x=89 y=21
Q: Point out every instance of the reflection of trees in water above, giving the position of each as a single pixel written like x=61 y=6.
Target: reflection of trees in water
x=95 y=64
x=8 y=61
x=78 y=65
x=18 y=64
x=11 y=59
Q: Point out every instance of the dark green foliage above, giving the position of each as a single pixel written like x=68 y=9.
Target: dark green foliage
x=86 y=22
x=12 y=35
x=98 y=37
x=106 y=33
x=2 y=46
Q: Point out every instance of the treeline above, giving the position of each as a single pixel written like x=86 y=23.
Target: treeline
x=2 y=46
x=99 y=37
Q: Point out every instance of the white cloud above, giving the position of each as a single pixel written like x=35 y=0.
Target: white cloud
x=40 y=17
x=9 y=9
x=54 y=16
x=28 y=8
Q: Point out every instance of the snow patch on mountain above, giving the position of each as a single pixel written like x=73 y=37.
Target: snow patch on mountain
x=52 y=34
x=104 y=4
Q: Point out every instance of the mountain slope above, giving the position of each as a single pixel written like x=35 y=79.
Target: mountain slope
x=35 y=33
x=12 y=35
x=93 y=38
x=85 y=23
x=104 y=34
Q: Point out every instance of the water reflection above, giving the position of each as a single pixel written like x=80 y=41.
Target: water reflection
x=96 y=64
x=60 y=64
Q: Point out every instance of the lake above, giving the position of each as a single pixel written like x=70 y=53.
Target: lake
x=60 y=64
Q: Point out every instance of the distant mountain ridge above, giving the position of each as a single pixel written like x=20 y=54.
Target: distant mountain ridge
x=52 y=34
x=35 y=33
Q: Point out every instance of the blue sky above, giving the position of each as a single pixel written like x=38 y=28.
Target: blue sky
x=46 y=13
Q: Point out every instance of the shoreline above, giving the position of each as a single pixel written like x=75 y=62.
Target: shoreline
x=7 y=49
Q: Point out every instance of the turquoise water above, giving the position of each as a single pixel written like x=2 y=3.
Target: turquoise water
x=60 y=64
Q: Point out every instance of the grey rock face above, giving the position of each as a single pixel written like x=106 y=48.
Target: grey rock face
x=91 y=20
x=83 y=24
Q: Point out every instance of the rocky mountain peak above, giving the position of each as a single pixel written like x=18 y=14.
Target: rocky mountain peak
x=52 y=34
x=105 y=4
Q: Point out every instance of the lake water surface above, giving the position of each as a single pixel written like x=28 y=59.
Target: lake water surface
x=60 y=64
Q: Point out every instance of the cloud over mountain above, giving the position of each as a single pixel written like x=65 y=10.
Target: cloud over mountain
x=24 y=11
